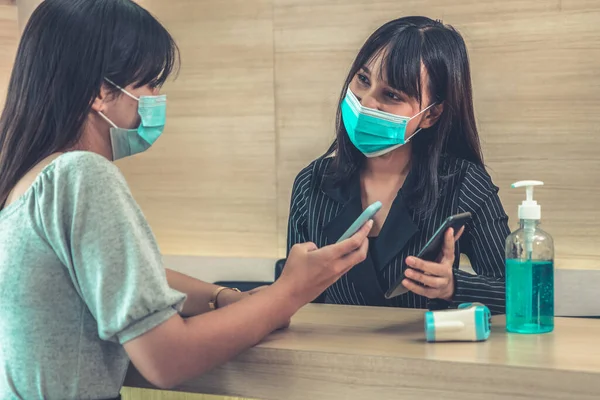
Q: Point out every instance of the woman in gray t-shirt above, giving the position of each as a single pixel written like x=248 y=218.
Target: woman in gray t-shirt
x=82 y=286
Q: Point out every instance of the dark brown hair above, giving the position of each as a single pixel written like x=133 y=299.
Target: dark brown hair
x=67 y=49
x=405 y=43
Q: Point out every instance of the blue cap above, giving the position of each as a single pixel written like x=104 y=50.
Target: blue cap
x=429 y=327
x=483 y=321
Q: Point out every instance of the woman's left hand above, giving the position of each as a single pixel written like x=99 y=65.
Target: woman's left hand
x=437 y=276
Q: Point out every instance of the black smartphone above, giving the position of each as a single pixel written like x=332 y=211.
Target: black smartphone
x=432 y=248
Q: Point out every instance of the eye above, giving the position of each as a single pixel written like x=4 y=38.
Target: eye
x=392 y=96
x=362 y=78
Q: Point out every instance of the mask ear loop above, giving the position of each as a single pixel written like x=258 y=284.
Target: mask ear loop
x=108 y=120
x=416 y=115
x=121 y=89
x=124 y=91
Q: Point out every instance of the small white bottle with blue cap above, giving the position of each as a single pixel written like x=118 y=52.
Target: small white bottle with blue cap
x=529 y=270
x=471 y=322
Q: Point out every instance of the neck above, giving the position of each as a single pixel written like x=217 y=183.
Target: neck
x=394 y=165
x=95 y=137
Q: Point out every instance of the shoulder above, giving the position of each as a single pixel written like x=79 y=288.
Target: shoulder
x=468 y=175
x=86 y=168
x=76 y=163
x=312 y=175
x=474 y=187
x=77 y=173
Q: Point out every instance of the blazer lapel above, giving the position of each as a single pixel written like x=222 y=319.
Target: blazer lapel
x=364 y=275
x=397 y=230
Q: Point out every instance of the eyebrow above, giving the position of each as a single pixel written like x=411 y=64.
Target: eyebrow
x=398 y=92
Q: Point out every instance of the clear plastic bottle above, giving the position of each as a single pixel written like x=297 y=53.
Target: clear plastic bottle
x=529 y=271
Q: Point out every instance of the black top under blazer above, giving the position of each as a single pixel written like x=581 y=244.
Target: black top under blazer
x=321 y=212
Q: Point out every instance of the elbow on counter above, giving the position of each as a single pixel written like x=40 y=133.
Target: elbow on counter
x=164 y=376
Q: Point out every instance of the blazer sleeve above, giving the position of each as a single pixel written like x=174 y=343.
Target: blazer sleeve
x=297 y=226
x=483 y=242
x=297 y=220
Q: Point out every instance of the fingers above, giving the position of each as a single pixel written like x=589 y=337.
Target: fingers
x=434 y=282
x=438 y=278
x=459 y=234
x=448 y=248
x=351 y=244
x=420 y=290
x=345 y=255
x=302 y=248
x=308 y=246
x=429 y=267
x=356 y=257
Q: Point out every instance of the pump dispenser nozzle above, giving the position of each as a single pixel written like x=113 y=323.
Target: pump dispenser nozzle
x=529 y=208
x=529 y=212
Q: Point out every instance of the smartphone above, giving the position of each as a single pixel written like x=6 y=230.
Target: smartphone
x=432 y=248
x=362 y=219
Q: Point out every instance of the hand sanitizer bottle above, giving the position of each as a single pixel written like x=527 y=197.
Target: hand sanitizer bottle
x=529 y=271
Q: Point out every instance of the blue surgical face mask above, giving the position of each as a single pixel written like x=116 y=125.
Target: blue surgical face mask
x=153 y=113
x=374 y=132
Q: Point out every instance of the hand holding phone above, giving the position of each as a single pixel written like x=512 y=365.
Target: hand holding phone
x=425 y=275
x=433 y=247
x=362 y=219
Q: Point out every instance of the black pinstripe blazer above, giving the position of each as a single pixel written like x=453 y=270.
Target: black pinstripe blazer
x=321 y=212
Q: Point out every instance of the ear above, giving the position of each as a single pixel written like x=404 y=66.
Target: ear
x=99 y=104
x=432 y=115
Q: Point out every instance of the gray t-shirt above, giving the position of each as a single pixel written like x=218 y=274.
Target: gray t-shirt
x=80 y=275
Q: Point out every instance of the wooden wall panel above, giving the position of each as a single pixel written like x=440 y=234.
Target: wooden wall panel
x=536 y=98
x=255 y=102
x=536 y=91
x=9 y=34
x=208 y=186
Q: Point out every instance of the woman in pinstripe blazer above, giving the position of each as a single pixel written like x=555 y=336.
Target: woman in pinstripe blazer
x=419 y=68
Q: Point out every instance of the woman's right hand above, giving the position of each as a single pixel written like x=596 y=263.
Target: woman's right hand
x=309 y=271
x=179 y=349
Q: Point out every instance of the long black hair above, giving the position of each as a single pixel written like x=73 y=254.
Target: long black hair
x=404 y=44
x=68 y=47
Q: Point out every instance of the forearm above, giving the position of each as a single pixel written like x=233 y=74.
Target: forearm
x=480 y=288
x=199 y=293
x=183 y=349
x=178 y=349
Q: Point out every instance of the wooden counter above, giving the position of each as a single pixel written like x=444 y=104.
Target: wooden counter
x=363 y=353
